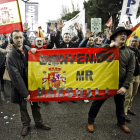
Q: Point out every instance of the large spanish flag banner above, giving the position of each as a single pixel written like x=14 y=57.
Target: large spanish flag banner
x=136 y=32
x=73 y=74
x=9 y=16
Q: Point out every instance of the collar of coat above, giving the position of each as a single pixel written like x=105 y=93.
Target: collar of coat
x=15 y=52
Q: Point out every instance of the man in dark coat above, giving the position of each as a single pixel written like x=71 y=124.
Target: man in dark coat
x=17 y=63
x=2 y=62
x=126 y=70
x=66 y=42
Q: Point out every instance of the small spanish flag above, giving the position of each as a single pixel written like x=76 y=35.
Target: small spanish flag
x=9 y=16
x=136 y=32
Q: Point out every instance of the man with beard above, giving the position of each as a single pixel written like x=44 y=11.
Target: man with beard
x=39 y=41
x=126 y=70
x=39 y=44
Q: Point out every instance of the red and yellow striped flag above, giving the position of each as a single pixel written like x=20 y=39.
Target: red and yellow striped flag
x=73 y=74
x=136 y=32
x=9 y=16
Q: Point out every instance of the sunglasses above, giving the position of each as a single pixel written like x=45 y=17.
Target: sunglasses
x=39 y=40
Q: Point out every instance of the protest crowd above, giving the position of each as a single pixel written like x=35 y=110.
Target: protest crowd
x=14 y=68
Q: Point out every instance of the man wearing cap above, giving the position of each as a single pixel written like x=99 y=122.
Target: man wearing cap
x=126 y=70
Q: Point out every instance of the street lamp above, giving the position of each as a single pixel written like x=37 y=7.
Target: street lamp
x=25 y=7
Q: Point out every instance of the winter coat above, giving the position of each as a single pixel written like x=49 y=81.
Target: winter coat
x=72 y=44
x=18 y=72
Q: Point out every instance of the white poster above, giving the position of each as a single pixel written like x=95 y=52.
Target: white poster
x=69 y=25
x=96 y=25
x=129 y=12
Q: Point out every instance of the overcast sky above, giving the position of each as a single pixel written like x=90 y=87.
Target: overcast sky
x=49 y=9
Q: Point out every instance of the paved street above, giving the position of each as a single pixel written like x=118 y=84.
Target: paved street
x=67 y=120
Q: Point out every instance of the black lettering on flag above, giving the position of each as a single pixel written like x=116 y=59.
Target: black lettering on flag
x=62 y=59
x=49 y=59
x=89 y=93
x=72 y=60
x=79 y=93
x=110 y=57
x=88 y=58
x=106 y=92
x=43 y=59
x=50 y=92
x=95 y=58
x=97 y=93
x=101 y=57
x=80 y=76
x=54 y=59
x=59 y=91
x=41 y=93
x=79 y=58
x=69 y=92
x=88 y=74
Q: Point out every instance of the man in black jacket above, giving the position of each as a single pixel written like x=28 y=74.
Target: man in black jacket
x=131 y=92
x=66 y=42
x=2 y=62
x=17 y=64
x=126 y=70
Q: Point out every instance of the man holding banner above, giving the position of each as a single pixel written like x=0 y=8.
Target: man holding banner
x=17 y=64
x=126 y=70
x=67 y=42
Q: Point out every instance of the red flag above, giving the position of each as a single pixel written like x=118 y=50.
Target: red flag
x=9 y=16
x=109 y=22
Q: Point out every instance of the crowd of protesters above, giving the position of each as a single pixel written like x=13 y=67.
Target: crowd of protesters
x=14 y=56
